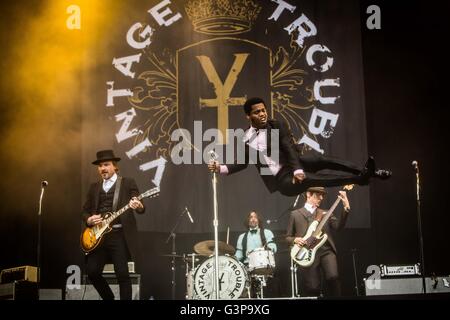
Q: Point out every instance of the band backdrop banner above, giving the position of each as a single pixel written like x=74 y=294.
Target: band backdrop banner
x=168 y=65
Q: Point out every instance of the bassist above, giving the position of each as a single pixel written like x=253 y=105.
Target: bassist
x=325 y=261
x=119 y=245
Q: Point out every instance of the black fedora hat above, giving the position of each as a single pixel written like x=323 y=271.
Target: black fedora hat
x=105 y=155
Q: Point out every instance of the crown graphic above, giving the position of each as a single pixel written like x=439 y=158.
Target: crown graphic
x=222 y=17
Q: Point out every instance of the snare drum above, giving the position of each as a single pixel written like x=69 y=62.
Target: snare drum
x=261 y=261
x=232 y=274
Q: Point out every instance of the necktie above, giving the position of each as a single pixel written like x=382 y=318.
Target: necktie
x=253 y=231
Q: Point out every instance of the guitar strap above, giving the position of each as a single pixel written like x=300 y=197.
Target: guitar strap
x=116 y=193
x=318 y=215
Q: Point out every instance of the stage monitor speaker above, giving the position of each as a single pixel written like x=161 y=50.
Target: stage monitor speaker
x=88 y=292
x=407 y=286
x=19 y=290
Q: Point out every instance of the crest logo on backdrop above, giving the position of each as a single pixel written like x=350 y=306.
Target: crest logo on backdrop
x=197 y=61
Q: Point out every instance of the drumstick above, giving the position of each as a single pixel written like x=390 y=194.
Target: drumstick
x=228 y=234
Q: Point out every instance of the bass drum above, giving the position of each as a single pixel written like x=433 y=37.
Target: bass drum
x=233 y=278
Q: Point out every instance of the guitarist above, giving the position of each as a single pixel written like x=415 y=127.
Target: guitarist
x=119 y=245
x=325 y=261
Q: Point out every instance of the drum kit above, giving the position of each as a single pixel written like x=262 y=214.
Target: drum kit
x=221 y=275
x=235 y=278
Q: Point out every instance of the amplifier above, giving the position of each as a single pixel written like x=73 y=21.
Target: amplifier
x=19 y=290
x=109 y=268
x=23 y=273
x=406 y=285
x=400 y=270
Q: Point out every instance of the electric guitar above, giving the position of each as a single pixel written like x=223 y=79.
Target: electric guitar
x=305 y=255
x=92 y=236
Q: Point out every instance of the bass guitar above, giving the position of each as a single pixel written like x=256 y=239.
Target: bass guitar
x=305 y=255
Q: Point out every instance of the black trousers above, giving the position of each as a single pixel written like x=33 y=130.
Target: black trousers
x=345 y=173
x=113 y=248
x=324 y=267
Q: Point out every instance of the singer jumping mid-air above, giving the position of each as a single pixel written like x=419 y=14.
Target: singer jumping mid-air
x=294 y=173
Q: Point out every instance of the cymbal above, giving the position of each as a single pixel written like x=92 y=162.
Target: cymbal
x=206 y=248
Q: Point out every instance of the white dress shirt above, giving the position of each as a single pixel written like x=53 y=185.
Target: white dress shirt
x=310 y=208
x=107 y=184
x=257 y=139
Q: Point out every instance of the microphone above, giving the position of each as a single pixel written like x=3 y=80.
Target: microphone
x=271 y=221
x=415 y=164
x=189 y=214
x=213 y=155
x=44 y=184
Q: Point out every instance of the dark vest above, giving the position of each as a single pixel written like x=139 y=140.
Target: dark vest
x=105 y=202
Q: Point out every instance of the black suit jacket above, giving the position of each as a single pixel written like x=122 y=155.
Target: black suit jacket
x=299 y=223
x=288 y=154
x=128 y=189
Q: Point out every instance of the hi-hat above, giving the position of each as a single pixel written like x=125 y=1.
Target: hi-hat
x=206 y=248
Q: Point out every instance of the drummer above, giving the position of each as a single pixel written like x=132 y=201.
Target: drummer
x=255 y=237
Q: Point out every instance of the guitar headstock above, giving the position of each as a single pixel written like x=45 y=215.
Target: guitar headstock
x=349 y=187
x=154 y=192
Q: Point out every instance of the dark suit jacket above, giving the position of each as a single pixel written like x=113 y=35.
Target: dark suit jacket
x=128 y=189
x=288 y=155
x=298 y=224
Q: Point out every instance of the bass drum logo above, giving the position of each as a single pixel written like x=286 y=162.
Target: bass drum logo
x=233 y=279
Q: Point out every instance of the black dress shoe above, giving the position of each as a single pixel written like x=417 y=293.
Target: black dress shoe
x=369 y=168
x=382 y=174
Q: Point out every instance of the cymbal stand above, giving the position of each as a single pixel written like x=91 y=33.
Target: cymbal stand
x=173 y=235
x=186 y=261
x=262 y=283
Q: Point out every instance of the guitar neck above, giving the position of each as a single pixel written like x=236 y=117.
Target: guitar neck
x=116 y=214
x=325 y=218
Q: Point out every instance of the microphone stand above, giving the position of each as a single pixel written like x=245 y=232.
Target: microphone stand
x=419 y=226
x=286 y=211
x=354 y=271
x=173 y=235
x=216 y=238
x=214 y=157
x=38 y=249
